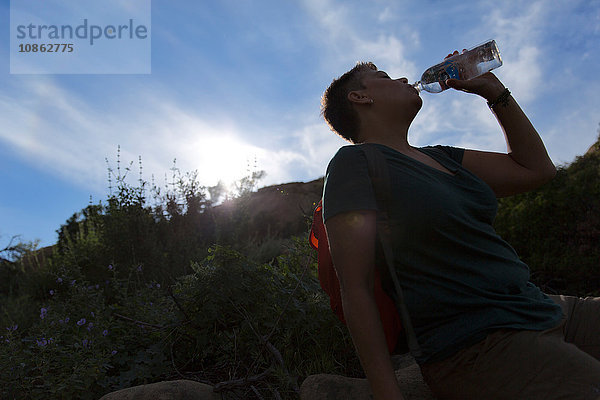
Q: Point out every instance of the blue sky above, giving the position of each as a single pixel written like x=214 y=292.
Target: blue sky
x=236 y=81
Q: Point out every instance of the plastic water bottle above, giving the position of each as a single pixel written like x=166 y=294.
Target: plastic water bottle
x=467 y=65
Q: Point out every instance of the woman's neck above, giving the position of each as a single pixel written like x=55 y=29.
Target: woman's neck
x=396 y=138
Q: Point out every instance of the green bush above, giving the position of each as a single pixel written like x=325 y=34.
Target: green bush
x=243 y=319
x=229 y=319
x=555 y=229
x=73 y=345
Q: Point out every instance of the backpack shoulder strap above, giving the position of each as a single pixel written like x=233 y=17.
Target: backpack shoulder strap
x=379 y=174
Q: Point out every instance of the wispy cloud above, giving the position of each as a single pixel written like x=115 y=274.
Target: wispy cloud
x=58 y=131
x=350 y=32
x=50 y=128
x=517 y=29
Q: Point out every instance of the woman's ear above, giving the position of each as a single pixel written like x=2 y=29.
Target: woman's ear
x=358 y=97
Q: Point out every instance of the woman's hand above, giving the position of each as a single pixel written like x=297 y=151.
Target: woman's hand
x=487 y=85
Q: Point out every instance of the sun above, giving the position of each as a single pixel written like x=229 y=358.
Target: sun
x=223 y=158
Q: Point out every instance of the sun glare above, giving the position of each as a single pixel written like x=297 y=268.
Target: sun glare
x=223 y=159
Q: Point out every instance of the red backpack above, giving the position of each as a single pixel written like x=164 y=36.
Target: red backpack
x=390 y=318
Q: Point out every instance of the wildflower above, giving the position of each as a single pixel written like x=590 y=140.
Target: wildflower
x=110 y=267
x=114 y=352
x=90 y=326
x=42 y=342
x=67 y=320
x=12 y=328
x=97 y=287
x=43 y=312
x=81 y=322
x=92 y=314
x=73 y=282
x=104 y=332
x=51 y=292
x=158 y=285
x=85 y=343
x=59 y=280
x=139 y=268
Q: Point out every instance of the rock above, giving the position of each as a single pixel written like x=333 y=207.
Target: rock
x=168 y=390
x=336 y=387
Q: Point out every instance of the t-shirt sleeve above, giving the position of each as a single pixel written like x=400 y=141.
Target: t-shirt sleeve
x=455 y=153
x=347 y=183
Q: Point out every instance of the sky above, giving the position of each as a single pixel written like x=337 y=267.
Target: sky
x=237 y=83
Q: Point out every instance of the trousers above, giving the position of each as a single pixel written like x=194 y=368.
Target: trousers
x=558 y=363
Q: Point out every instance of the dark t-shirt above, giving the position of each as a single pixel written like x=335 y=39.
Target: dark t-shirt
x=459 y=278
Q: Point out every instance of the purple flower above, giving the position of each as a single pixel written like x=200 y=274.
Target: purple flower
x=139 y=268
x=90 y=326
x=158 y=285
x=43 y=342
x=81 y=322
x=73 y=282
x=110 y=267
x=59 y=280
x=43 y=312
x=85 y=343
x=67 y=320
x=51 y=292
x=12 y=328
x=104 y=332
x=92 y=314
x=114 y=352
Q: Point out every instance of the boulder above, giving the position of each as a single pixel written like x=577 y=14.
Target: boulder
x=168 y=390
x=336 y=387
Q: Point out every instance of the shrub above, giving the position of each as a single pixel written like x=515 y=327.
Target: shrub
x=76 y=343
x=230 y=319
x=243 y=319
x=555 y=228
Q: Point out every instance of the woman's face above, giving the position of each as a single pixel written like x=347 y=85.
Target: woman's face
x=395 y=93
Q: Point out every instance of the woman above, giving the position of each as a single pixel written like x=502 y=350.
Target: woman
x=484 y=330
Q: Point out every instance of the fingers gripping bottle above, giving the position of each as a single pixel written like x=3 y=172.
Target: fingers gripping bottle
x=467 y=65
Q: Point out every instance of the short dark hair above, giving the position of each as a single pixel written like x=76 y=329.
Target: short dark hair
x=338 y=111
